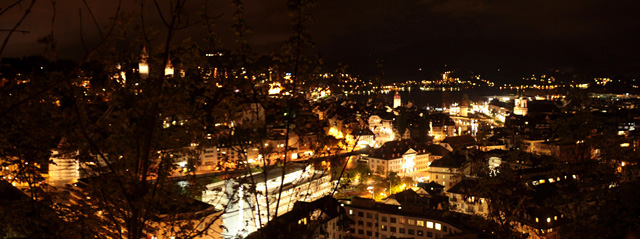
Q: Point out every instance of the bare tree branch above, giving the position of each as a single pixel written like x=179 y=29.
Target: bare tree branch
x=53 y=40
x=10 y=6
x=160 y=13
x=20 y=31
x=84 y=45
x=93 y=17
x=26 y=12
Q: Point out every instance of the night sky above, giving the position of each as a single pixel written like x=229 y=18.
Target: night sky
x=595 y=37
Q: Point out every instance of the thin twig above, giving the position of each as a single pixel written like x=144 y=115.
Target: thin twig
x=9 y=7
x=53 y=41
x=160 y=13
x=20 y=31
x=84 y=45
x=26 y=12
x=93 y=17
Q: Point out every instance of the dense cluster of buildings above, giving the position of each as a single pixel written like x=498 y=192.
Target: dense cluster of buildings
x=458 y=155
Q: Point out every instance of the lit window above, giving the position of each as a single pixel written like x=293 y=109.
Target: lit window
x=555 y=217
x=429 y=224
x=548 y=219
x=438 y=226
x=420 y=223
x=350 y=212
x=537 y=220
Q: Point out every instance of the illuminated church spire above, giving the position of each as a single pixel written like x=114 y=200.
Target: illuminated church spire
x=397 y=100
x=143 y=66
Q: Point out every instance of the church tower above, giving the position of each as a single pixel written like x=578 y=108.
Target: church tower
x=520 y=106
x=397 y=100
x=143 y=66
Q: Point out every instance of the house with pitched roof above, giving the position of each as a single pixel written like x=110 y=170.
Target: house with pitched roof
x=463 y=198
x=458 y=142
x=448 y=170
x=405 y=157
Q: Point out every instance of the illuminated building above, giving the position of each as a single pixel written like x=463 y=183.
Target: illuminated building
x=447 y=170
x=63 y=169
x=540 y=223
x=322 y=218
x=382 y=128
x=143 y=66
x=226 y=155
x=461 y=109
x=397 y=100
x=364 y=137
x=169 y=224
x=441 y=127
x=520 y=107
x=405 y=157
x=378 y=220
x=241 y=215
x=461 y=200
x=275 y=88
x=168 y=70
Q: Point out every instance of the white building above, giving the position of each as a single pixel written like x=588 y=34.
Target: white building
x=196 y=216
x=382 y=128
x=243 y=215
x=447 y=171
x=520 y=106
x=397 y=100
x=404 y=157
x=63 y=169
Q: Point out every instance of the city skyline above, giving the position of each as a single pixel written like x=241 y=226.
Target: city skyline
x=595 y=38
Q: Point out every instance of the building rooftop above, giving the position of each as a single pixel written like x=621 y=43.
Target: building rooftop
x=453 y=160
x=461 y=221
x=395 y=149
x=436 y=149
x=459 y=141
x=466 y=186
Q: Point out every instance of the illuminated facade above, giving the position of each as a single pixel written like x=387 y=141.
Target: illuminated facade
x=540 y=223
x=520 y=107
x=460 y=200
x=403 y=157
x=382 y=129
x=397 y=100
x=243 y=215
x=378 y=220
x=63 y=169
x=198 y=215
x=447 y=171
